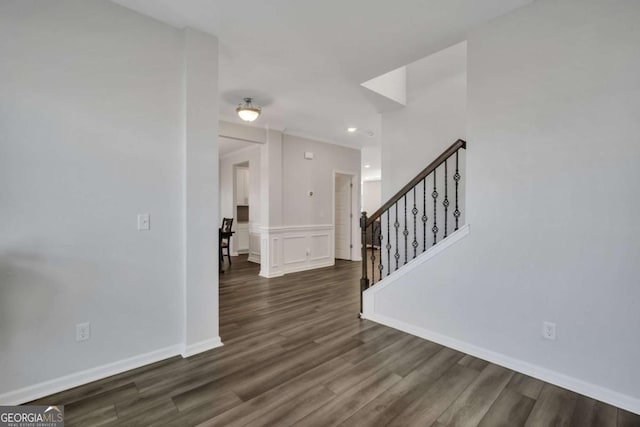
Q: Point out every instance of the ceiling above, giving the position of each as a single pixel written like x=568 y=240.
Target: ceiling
x=303 y=61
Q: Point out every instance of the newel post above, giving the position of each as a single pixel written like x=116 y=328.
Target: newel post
x=364 y=281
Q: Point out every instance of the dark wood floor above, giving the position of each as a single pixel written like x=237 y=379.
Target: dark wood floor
x=295 y=353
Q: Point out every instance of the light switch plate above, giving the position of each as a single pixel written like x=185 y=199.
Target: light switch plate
x=144 y=222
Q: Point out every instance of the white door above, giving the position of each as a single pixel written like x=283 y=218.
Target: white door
x=342 y=223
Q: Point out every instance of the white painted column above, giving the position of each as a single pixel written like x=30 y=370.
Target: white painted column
x=271 y=196
x=201 y=192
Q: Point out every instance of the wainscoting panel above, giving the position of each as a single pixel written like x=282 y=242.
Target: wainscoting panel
x=320 y=246
x=296 y=248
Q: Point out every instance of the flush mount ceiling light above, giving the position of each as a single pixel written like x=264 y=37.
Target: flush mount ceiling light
x=352 y=129
x=247 y=111
x=367 y=166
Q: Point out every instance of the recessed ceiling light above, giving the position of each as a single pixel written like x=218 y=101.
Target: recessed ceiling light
x=352 y=129
x=367 y=165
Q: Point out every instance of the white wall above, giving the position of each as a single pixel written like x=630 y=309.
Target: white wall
x=433 y=119
x=553 y=184
x=301 y=176
x=371 y=196
x=92 y=133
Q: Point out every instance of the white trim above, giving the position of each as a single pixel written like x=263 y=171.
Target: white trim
x=291 y=228
x=66 y=382
x=310 y=136
x=603 y=394
x=200 y=347
x=450 y=240
x=299 y=268
x=240 y=150
x=270 y=275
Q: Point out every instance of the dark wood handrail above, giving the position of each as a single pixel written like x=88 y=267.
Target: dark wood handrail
x=415 y=181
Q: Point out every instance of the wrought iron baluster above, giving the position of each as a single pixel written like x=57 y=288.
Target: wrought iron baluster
x=397 y=226
x=364 y=282
x=388 y=241
x=380 y=237
x=373 y=254
x=405 y=232
x=424 y=214
x=414 y=211
x=445 y=202
x=456 y=178
x=434 y=229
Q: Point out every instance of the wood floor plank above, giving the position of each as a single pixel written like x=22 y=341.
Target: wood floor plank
x=295 y=408
x=627 y=419
x=199 y=414
x=260 y=405
x=469 y=408
x=290 y=367
x=81 y=407
x=425 y=408
x=99 y=417
x=591 y=413
x=388 y=404
x=473 y=362
x=511 y=409
x=526 y=385
x=346 y=404
x=554 y=407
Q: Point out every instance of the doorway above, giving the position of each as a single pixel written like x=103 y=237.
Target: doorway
x=242 y=204
x=343 y=215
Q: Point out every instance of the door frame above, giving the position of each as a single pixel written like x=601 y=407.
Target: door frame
x=354 y=253
x=245 y=164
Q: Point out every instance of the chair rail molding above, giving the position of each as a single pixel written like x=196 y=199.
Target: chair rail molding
x=287 y=249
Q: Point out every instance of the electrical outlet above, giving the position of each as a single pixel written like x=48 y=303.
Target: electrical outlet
x=549 y=331
x=83 y=331
x=144 y=222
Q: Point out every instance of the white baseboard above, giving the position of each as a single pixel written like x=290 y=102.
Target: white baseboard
x=66 y=382
x=296 y=269
x=611 y=397
x=299 y=268
x=202 y=346
x=253 y=257
x=270 y=275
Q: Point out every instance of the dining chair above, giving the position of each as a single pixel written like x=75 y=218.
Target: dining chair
x=225 y=238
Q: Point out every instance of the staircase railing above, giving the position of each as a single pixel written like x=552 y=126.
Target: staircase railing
x=435 y=179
